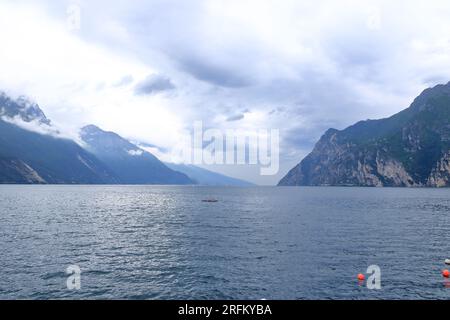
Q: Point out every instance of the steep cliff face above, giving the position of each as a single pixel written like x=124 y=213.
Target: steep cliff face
x=440 y=175
x=409 y=149
x=16 y=171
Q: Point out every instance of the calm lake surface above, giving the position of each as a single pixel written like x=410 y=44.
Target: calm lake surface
x=153 y=242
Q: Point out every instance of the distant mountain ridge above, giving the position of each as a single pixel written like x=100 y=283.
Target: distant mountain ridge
x=208 y=178
x=131 y=164
x=409 y=149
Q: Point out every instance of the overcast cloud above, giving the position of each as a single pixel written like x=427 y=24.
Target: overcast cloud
x=149 y=69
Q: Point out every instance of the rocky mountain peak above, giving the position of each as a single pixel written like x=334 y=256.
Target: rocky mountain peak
x=426 y=98
x=90 y=129
x=22 y=107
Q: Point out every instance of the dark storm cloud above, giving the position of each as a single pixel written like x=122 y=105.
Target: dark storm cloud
x=215 y=74
x=236 y=117
x=154 y=84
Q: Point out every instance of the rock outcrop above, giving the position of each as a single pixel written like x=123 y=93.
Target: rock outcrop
x=409 y=149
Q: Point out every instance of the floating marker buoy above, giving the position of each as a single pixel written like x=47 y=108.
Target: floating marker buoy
x=361 y=277
x=447 y=261
x=446 y=273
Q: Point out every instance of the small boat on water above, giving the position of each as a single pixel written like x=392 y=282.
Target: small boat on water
x=210 y=200
x=447 y=261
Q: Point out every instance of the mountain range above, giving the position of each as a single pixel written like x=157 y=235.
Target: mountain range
x=408 y=149
x=31 y=157
x=33 y=152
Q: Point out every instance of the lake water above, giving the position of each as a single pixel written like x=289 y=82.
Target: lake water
x=154 y=242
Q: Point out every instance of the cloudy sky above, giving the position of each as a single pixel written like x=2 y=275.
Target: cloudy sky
x=149 y=69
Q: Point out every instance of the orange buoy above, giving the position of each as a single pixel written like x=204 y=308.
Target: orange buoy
x=361 y=277
x=446 y=273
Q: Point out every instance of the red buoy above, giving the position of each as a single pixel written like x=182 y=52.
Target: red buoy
x=361 y=277
x=446 y=273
